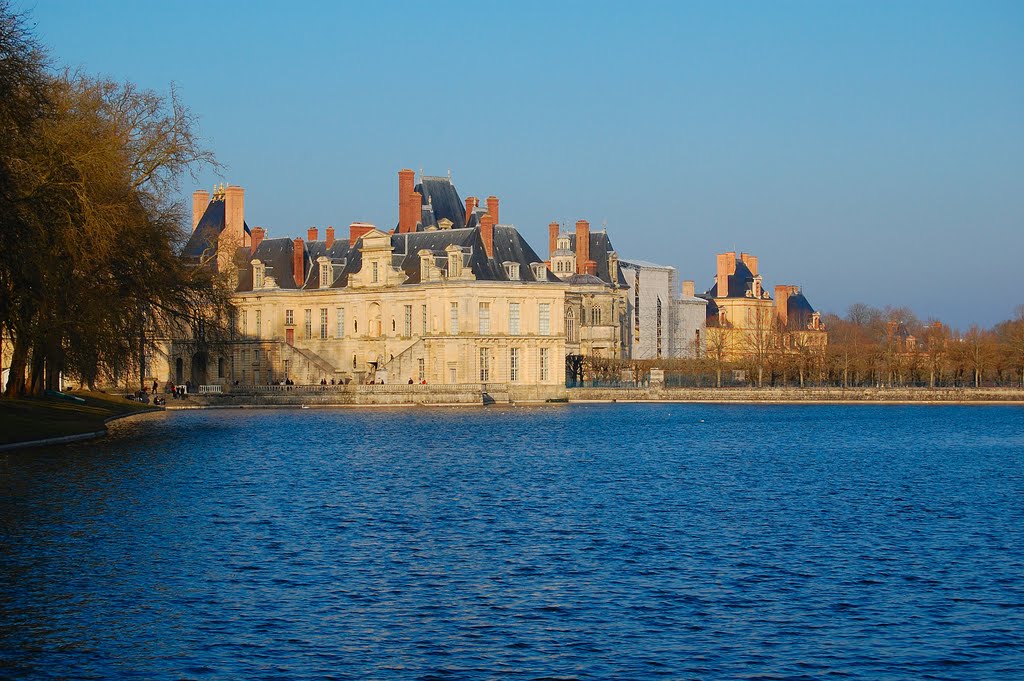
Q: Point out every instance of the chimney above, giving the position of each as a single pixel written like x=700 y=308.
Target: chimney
x=330 y=237
x=582 y=245
x=471 y=203
x=726 y=267
x=356 y=230
x=552 y=239
x=750 y=261
x=492 y=208
x=311 y=234
x=782 y=294
x=200 y=200
x=299 y=262
x=258 y=234
x=590 y=267
x=406 y=182
x=487 y=234
x=415 y=210
x=234 y=216
x=687 y=288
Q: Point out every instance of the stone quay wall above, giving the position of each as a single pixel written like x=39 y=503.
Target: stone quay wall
x=797 y=395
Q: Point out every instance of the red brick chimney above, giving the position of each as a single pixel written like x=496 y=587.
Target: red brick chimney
x=688 y=288
x=471 y=203
x=487 y=234
x=750 y=261
x=356 y=230
x=406 y=182
x=299 y=262
x=312 y=234
x=234 y=216
x=200 y=200
x=552 y=239
x=492 y=208
x=415 y=210
x=582 y=245
x=782 y=294
x=590 y=267
x=726 y=267
x=330 y=237
x=258 y=234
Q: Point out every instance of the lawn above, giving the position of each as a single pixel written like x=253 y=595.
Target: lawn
x=34 y=419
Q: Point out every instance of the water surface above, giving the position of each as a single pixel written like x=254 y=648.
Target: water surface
x=572 y=541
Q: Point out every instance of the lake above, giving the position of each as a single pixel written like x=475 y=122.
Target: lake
x=622 y=541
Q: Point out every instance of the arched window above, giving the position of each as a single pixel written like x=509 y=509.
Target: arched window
x=570 y=326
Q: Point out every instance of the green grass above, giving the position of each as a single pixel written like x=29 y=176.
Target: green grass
x=22 y=420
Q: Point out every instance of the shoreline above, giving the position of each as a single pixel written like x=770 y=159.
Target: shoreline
x=74 y=437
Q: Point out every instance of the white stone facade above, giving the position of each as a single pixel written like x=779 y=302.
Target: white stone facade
x=662 y=321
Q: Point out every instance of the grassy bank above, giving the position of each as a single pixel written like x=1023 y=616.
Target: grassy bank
x=23 y=420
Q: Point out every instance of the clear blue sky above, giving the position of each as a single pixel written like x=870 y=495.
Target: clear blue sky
x=870 y=152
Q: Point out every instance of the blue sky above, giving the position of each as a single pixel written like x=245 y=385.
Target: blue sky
x=869 y=152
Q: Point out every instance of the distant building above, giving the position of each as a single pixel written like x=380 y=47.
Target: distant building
x=663 y=320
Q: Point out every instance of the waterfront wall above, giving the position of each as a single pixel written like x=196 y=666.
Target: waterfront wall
x=784 y=395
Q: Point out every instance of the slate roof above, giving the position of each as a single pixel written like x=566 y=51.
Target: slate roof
x=276 y=255
x=798 y=311
x=739 y=284
x=204 y=236
x=440 y=200
x=600 y=247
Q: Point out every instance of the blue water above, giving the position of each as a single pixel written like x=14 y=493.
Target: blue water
x=568 y=542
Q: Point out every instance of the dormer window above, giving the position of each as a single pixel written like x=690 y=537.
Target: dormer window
x=455 y=264
x=756 y=286
x=540 y=271
x=512 y=270
x=326 y=272
x=259 y=274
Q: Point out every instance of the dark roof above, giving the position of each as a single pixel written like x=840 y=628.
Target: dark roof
x=600 y=247
x=739 y=284
x=276 y=255
x=440 y=200
x=204 y=237
x=798 y=311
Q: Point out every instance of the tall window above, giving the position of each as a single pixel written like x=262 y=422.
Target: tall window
x=374 y=272
x=258 y=276
x=543 y=364
x=289 y=317
x=323 y=323
x=485 y=319
x=309 y=323
x=453 y=322
x=423 y=311
x=259 y=322
x=570 y=326
x=407 y=324
x=595 y=315
x=513 y=318
x=421 y=365
x=544 y=320
x=244 y=323
x=325 y=275
x=513 y=364
x=485 y=365
x=341 y=322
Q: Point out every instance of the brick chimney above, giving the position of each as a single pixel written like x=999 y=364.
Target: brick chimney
x=312 y=234
x=552 y=239
x=750 y=261
x=687 y=289
x=330 y=237
x=471 y=203
x=492 y=208
x=415 y=210
x=782 y=294
x=406 y=183
x=487 y=234
x=299 y=262
x=234 y=216
x=200 y=200
x=582 y=245
x=726 y=267
x=590 y=267
x=356 y=230
x=258 y=234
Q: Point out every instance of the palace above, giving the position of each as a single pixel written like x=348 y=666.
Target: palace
x=450 y=295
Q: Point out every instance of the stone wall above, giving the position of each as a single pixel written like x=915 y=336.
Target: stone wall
x=784 y=395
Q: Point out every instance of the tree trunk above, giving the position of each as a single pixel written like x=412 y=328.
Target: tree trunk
x=37 y=372
x=16 y=386
x=719 y=372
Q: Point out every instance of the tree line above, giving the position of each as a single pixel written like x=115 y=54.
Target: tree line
x=90 y=224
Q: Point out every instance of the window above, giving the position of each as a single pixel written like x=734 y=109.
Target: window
x=595 y=315
x=374 y=272
x=543 y=364
x=309 y=323
x=258 y=274
x=323 y=323
x=289 y=317
x=570 y=326
x=259 y=322
x=453 y=322
x=512 y=270
x=544 y=322
x=513 y=319
x=245 y=323
x=485 y=365
x=513 y=364
x=455 y=265
x=340 y=322
x=407 y=323
x=423 y=311
x=325 y=275
x=421 y=365
x=256 y=356
x=485 y=319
